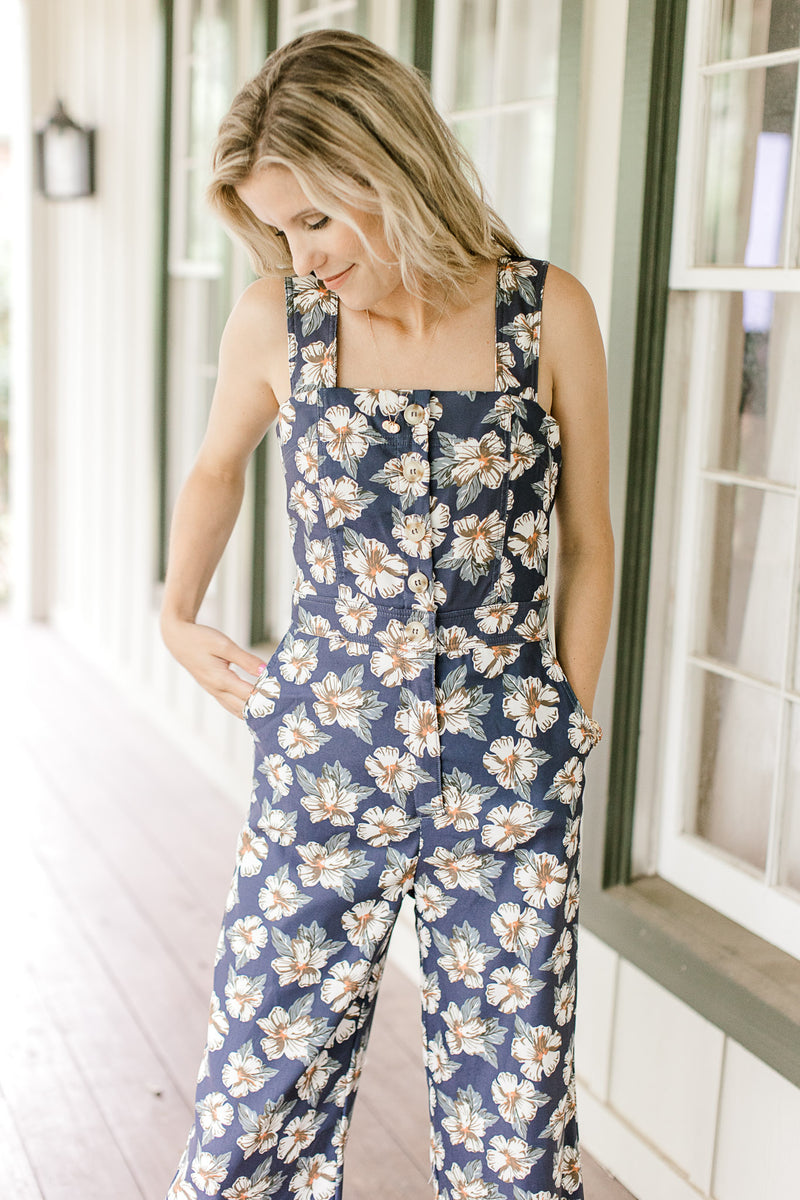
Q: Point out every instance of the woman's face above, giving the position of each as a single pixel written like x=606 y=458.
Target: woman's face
x=322 y=245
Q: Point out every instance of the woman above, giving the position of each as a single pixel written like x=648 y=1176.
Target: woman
x=414 y=731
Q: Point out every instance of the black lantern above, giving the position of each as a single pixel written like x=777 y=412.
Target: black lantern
x=65 y=157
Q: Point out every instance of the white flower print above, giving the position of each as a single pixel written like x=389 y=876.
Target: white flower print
x=303 y=956
x=468 y=1120
x=567 y=1174
x=509 y=825
x=561 y=956
x=518 y=930
x=419 y=722
x=531 y=704
x=565 y=1001
x=398 y=875
x=315 y=1178
x=431 y=902
x=524 y=329
x=298 y=659
x=280 y=896
x=536 y=1048
x=511 y=988
x=247 y=937
x=491 y=661
x=529 y=540
x=244 y=1072
x=333 y=795
x=346 y=435
x=277 y=773
x=209 y=1171
x=514 y=763
x=299 y=1133
x=476 y=544
x=374 y=565
x=261 y=701
x=319 y=556
x=243 y=995
x=412 y=533
x=439 y=1063
x=380 y=826
x=335 y=865
x=251 y=852
x=215 y=1113
x=355 y=611
x=567 y=784
x=497 y=616
x=319 y=368
x=454 y=641
x=342 y=701
x=344 y=983
x=517 y=1100
x=307 y=457
x=298 y=735
x=407 y=477
x=511 y=1158
x=343 y=500
x=584 y=732
x=464 y=956
x=469 y=1033
x=541 y=877
x=367 y=923
x=314 y=1079
x=394 y=772
x=402 y=657
x=303 y=501
x=524 y=451
x=504 y=375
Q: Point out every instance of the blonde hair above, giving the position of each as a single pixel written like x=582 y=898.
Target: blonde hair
x=358 y=129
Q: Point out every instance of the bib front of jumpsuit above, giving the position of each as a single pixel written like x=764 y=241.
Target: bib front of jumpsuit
x=413 y=733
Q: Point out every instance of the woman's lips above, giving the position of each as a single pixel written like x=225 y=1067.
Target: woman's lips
x=335 y=280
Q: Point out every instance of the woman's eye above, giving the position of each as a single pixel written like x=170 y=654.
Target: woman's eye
x=323 y=221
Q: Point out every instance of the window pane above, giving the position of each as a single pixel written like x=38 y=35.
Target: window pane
x=755 y=27
x=747 y=154
x=525 y=174
x=790 y=848
x=759 y=366
x=736 y=736
x=746 y=565
x=530 y=49
x=474 y=36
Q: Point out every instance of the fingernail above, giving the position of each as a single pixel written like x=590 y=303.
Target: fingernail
x=262 y=667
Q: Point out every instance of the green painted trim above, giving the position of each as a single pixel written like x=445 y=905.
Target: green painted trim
x=423 y=36
x=259 y=632
x=161 y=431
x=741 y=984
x=666 y=69
x=271 y=25
x=567 y=149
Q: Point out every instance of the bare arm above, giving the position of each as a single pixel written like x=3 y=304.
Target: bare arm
x=251 y=359
x=575 y=369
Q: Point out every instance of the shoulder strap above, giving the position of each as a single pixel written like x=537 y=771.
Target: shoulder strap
x=520 y=283
x=312 y=318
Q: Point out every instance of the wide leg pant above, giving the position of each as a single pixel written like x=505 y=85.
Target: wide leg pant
x=333 y=842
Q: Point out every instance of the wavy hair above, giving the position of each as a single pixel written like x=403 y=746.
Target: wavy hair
x=359 y=130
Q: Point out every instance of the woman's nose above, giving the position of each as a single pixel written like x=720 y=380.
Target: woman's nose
x=305 y=256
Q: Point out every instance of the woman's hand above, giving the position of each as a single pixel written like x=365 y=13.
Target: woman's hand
x=209 y=656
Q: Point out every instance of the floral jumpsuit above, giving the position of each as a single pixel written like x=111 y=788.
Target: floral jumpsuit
x=413 y=733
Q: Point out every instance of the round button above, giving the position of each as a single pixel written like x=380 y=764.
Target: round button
x=414 y=414
x=412 y=470
x=415 y=630
x=416 y=526
x=418 y=582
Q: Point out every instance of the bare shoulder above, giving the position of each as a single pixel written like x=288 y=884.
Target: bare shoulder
x=567 y=310
x=255 y=334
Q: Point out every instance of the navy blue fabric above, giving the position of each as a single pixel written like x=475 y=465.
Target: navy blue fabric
x=413 y=732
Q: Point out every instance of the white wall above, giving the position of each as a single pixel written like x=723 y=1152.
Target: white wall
x=93 y=362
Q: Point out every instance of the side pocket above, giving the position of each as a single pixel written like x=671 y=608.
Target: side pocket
x=266 y=689
x=587 y=731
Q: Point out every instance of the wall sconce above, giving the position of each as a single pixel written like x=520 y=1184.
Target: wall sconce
x=65 y=157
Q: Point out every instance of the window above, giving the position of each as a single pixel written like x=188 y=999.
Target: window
x=728 y=516
x=495 y=78
x=216 y=44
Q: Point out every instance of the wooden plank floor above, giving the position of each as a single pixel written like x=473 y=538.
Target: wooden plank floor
x=115 y=859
